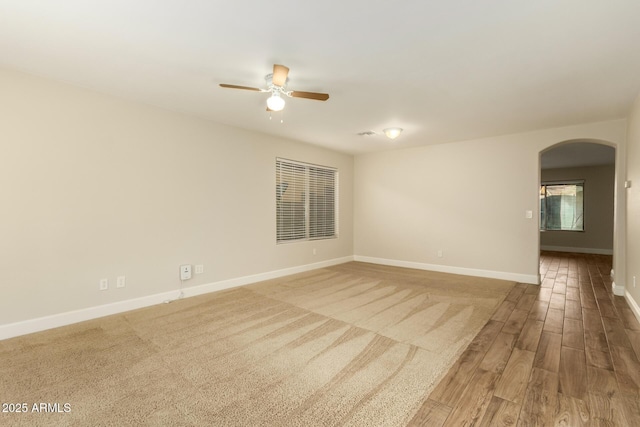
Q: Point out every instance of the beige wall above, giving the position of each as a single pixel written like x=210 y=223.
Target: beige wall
x=597 y=236
x=95 y=187
x=633 y=206
x=467 y=199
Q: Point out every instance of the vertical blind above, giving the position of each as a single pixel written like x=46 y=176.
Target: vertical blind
x=306 y=201
x=562 y=206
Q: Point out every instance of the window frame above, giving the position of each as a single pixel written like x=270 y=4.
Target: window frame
x=304 y=184
x=543 y=199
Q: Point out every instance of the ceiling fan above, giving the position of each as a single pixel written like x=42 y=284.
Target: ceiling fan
x=277 y=87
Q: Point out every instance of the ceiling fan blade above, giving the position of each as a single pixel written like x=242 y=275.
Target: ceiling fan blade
x=240 y=87
x=280 y=73
x=310 y=95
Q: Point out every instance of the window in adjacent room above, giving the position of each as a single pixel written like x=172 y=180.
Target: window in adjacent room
x=306 y=201
x=562 y=206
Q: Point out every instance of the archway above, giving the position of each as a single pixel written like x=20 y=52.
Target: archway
x=579 y=178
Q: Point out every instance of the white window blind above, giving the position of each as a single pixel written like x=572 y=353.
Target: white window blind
x=306 y=201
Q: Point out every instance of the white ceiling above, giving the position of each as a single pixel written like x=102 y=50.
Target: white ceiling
x=442 y=70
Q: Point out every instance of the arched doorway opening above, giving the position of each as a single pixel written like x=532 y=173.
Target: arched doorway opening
x=579 y=199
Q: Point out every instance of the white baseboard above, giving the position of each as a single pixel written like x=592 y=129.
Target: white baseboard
x=62 y=319
x=596 y=251
x=633 y=304
x=617 y=289
x=515 y=277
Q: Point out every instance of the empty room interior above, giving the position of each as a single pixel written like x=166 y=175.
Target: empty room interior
x=340 y=213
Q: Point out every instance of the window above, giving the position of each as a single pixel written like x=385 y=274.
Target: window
x=562 y=206
x=306 y=201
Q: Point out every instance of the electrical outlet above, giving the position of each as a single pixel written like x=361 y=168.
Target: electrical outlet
x=121 y=281
x=104 y=284
x=199 y=268
x=439 y=253
x=634 y=281
x=185 y=272
x=315 y=251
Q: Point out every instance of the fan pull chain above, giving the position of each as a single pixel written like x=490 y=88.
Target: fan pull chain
x=281 y=117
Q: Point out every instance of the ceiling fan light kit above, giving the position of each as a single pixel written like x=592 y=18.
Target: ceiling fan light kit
x=276 y=86
x=275 y=102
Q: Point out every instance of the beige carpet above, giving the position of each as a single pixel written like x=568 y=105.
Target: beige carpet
x=355 y=344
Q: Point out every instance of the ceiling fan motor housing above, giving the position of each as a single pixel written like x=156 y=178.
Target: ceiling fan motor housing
x=269 y=79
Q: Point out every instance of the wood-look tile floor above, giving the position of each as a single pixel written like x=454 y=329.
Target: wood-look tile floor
x=563 y=353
